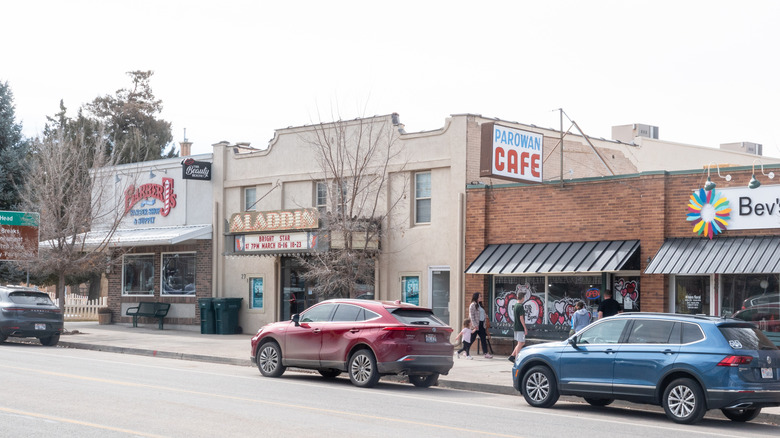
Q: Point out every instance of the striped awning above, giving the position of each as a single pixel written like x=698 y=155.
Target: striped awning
x=560 y=257
x=723 y=255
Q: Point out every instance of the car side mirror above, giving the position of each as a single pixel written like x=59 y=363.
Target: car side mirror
x=573 y=341
x=296 y=319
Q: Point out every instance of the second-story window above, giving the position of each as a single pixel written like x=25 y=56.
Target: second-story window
x=321 y=197
x=250 y=197
x=422 y=197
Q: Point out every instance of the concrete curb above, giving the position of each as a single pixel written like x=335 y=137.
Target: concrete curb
x=443 y=381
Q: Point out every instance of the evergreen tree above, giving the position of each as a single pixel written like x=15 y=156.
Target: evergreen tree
x=13 y=150
x=130 y=118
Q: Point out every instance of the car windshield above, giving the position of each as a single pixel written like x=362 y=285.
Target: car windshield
x=37 y=298
x=742 y=337
x=417 y=317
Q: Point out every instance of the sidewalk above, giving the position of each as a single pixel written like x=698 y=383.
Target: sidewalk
x=483 y=375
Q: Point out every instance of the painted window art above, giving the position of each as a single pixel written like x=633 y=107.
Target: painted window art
x=709 y=211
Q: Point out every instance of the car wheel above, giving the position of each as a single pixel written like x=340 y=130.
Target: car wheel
x=741 y=415
x=539 y=387
x=269 y=360
x=424 y=381
x=329 y=373
x=50 y=341
x=362 y=369
x=684 y=401
x=599 y=401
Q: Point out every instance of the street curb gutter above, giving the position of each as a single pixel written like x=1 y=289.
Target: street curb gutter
x=158 y=353
x=443 y=382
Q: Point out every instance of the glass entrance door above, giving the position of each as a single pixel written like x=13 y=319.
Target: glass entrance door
x=439 y=298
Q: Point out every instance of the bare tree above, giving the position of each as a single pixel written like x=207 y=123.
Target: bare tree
x=357 y=160
x=72 y=194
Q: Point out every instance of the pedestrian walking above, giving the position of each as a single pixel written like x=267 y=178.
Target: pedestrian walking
x=520 y=327
x=609 y=306
x=478 y=315
x=580 y=319
x=465 y=338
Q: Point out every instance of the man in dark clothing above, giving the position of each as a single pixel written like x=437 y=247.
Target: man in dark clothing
x=609 y=306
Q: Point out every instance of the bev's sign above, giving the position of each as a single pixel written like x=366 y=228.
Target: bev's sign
x=200 y=170
x=510 y=153
x=18 y=233
x=753 y=209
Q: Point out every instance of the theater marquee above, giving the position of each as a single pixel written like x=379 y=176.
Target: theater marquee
x=511 y=154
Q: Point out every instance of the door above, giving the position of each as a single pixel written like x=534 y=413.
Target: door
x=439 y=297
x=302 y=343
x=650 y=349
x=588 y=367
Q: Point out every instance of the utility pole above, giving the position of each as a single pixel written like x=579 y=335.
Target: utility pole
x=561 y=114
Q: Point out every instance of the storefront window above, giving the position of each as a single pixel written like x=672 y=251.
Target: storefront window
x=178 y=274
x=626 y=291
x=508 y=291
x=692 y=294
x=742 y=291
x=410 y=289
x=256 y=292
x=563 y=293
x=138 y=274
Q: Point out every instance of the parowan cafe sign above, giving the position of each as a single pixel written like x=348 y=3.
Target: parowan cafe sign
x=510 y=153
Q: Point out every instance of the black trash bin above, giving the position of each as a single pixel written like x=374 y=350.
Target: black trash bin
x=226 y=311
x=207 y=324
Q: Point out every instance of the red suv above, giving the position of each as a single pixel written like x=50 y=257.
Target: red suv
x=365 y=338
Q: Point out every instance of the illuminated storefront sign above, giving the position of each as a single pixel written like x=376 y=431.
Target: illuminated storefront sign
x=258 y=221
x=274 y=242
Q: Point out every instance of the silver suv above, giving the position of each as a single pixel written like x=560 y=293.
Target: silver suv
x=29 y=313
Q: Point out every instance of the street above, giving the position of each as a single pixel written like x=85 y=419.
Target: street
x=68 y=393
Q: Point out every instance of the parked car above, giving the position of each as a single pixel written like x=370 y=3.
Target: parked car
x=766 y=317
x=685 y=363
x=29 y=313
x=365 y=338
x=761 y=299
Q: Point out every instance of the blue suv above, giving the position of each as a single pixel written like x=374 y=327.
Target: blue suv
x=687 y=364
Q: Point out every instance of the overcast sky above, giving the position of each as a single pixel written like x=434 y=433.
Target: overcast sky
x=704 y=72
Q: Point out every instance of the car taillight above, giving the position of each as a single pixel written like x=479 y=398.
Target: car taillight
x=735 y=361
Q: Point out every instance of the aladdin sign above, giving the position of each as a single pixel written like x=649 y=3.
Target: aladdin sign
x=261 y=221
x=511 y=154
x=200 y=170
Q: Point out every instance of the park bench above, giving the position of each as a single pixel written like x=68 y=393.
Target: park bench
x=148 y=309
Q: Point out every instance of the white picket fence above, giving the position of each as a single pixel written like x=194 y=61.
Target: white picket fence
x=79 y=308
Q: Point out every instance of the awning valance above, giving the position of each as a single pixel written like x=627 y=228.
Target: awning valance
x=123 y=237
x=723 y=255
x=560 y=257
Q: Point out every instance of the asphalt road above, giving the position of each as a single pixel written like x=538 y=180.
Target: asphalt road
x=69 y=393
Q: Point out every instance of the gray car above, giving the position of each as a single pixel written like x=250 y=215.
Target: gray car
x=29 y=313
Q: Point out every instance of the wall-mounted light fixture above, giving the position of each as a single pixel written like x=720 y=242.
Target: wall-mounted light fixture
x=709 y=185
x=754 y=183
x=152 y=174
x=117 y=179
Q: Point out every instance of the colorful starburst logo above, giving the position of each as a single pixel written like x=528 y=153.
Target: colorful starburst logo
x=709 y=211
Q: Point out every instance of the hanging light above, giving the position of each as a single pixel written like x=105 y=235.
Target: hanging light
x=754 y=183
x=709 y=185
x=151 y=174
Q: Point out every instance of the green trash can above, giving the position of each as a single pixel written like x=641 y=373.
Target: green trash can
x=226 y=311
x=207 y=324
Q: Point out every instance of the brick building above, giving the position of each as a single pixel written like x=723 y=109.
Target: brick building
x=550 y=245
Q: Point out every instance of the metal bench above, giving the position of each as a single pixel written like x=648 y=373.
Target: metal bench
x=148 y=309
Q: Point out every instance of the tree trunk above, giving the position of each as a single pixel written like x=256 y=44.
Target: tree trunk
x=61 y=290
x=94 y=286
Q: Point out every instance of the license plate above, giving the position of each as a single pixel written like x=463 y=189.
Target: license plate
x=766 y=373
x=40 y=326
x=430 y=337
